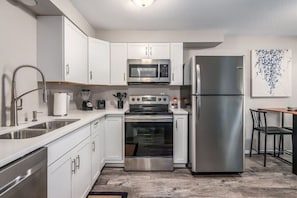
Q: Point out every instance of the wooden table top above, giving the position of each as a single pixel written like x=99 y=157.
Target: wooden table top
x=280 y=110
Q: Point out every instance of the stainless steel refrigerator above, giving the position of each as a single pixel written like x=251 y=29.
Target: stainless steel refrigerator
x=214 y=93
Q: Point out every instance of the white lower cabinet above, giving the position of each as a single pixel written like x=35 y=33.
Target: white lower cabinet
x=114 y=139
x=180 y=139
x=69 y=167
x=81 y=170
x=97 y=144
x=60 y=178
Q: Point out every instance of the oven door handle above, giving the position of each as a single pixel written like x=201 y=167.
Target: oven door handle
x=148 y=119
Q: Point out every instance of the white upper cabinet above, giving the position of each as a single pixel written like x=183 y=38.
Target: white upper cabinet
x=149 y=50
x=118 y=64
x=176 y=58
x=62 y=50
x=99 y=62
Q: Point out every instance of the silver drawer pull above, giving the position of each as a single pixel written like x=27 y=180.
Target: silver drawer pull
x=73 y=166
x=77 y=162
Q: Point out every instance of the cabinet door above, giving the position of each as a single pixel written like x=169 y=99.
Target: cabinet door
x=99 y=62
x=159 y=50
x=59 y=178
x=176 y=58
x=138 y=50
x=75 y=53
x=118 y=64
x=101 y=144
x=114 y=139
x=180 y=139
x=96 y=158
x=81 y=181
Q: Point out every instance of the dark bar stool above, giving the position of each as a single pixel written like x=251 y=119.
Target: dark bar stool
x=260 y=125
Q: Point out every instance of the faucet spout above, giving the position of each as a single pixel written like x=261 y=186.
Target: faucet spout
x=14 y=98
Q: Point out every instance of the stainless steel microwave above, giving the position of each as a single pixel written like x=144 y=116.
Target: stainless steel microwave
x=148 y=71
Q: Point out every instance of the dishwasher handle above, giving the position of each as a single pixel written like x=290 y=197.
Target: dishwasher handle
x=20 y=179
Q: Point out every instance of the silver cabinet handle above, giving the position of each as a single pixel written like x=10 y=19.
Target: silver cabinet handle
x=94 y=146
x=173 y=76
x=73 y=166
x=91 y=75
x=176 y=124
x=77 y=162
x=124 y=76
x=96 y=123
x=151 y=51
x=67 y=69
x=146 y=51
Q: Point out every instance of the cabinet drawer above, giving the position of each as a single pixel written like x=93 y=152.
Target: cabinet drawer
x=96 y=125
x=61 y=146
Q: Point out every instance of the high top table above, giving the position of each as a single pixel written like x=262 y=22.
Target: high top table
x=294 y=140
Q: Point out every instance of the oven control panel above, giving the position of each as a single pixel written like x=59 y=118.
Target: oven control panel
x=149 y=99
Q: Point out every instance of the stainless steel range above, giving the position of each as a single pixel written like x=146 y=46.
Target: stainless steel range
x=148 y=134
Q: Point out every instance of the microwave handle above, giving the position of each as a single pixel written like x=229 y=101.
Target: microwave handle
x=124 y=76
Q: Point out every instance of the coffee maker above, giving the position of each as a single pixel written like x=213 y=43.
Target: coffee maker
x=85 y=96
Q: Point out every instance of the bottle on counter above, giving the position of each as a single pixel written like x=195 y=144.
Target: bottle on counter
x=174 y=103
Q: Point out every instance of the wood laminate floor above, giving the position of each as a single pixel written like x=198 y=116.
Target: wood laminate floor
x=276 y=180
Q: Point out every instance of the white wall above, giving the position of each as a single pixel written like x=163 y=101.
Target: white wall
x=18 y=47
x=242 y=45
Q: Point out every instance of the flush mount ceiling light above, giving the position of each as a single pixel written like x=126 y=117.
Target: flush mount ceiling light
x=143 y=3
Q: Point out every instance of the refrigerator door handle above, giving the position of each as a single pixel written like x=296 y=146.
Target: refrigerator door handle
x=198 y=90
x=198 y=79
x=198 y=106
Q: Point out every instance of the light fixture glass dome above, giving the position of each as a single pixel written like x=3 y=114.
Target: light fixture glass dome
x=143 y=3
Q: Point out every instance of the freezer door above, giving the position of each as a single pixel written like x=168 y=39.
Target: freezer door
x=220 y=74
x=218 y=135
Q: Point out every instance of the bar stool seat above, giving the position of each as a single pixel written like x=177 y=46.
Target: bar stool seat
x=260 y=125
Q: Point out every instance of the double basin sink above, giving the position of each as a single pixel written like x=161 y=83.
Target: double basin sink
x=38 y=129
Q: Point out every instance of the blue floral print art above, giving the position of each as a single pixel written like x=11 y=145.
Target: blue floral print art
x=269 y=66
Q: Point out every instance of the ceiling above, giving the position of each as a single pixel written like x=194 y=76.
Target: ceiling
x=248 y=17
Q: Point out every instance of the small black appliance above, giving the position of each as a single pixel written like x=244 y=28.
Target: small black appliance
x=86 y=104
x=100 y=104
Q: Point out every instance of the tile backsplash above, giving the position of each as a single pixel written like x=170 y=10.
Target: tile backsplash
x=106 y=93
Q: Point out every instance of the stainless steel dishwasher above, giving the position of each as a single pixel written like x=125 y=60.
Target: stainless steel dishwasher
x=25 y=177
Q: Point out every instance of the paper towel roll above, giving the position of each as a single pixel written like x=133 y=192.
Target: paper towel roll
x=60 y=104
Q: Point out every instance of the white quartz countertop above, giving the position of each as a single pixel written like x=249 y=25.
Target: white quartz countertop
x=179 y=111
x=12 y=149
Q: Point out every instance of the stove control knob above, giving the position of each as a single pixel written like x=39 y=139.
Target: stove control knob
x=159 y=99
x=133 y=99
x=164 y=99
x=138 y=99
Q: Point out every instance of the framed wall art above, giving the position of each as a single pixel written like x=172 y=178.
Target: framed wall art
x=271 y=71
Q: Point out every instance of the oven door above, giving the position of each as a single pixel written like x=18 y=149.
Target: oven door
x=148 y=142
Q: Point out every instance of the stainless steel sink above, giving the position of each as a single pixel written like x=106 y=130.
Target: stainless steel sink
x=54 y=124
x=23 y=134
x=38 y=129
